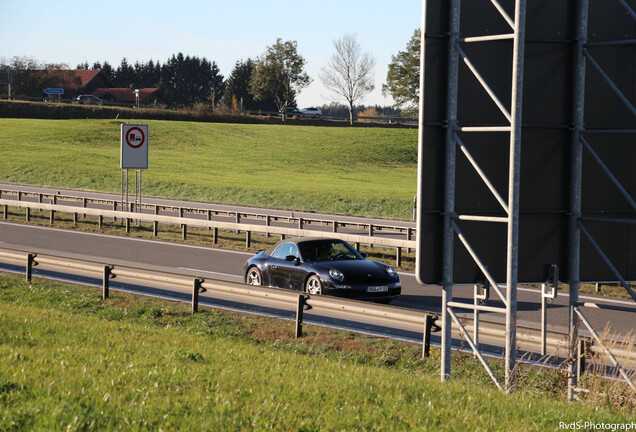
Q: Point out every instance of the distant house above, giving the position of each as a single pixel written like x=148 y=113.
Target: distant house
x=32 y=83
x=75 y=82
x=147 y=96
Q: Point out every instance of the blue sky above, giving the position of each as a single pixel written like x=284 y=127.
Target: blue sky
x=66 y=31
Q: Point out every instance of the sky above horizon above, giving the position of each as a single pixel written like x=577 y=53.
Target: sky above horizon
x=72 y=32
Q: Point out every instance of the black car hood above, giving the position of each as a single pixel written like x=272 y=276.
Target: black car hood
x=358 y=271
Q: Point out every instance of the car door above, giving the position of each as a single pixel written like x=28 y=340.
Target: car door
x=285 y=269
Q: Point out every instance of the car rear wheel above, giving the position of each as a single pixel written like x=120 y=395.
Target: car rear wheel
x=254 y=277
x=313 y=285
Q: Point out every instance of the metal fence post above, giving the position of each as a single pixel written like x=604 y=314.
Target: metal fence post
x=6 y=211
x=106 y=281
x=581 y=353
x=300 y=307
x=100 y=221
x=248 y=239
x=30 y=263
x=398 y=256
x=426 y=344
x=155 y=224
x=215 y=235
x=196 y=286
x=28 y=214
x=127 y=226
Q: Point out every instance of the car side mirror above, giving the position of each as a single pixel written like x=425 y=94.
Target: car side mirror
x=292 y=258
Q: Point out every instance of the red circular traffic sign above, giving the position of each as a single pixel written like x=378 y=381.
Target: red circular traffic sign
x=135 y=137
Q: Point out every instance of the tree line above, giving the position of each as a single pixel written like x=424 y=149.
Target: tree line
x=269 y=82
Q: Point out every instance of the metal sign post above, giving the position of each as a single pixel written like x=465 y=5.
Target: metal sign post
x=134 y=155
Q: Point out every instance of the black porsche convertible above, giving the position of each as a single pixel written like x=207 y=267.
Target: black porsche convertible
x=322 y=266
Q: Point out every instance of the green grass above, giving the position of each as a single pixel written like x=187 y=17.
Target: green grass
x=69 y=361
x=356 y=171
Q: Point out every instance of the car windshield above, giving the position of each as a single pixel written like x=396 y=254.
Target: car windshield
x=327 y=250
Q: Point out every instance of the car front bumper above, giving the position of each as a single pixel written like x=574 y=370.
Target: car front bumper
x=371 y=292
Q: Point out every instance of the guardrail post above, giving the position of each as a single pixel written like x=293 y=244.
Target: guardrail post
x=581 y=352
x=267 y=223
x=40 y=198
x=19 y=196
x=238 y=221
x=209 y=219
x=74 y=218
x=100 y=221
x=184 y=229
x=196 y=286
x=215 y=235
x=127 y=226
x=106 y=281
x=28 y=214
x=84 y=204
x=155 y=224
x=335 y=226
x=398 y=256
x=52 y=217
x=248 y=238
x=409 y=233
x=30 y=262
x=426 y=343
x=300 y=223
x=6 y=211
x=300 y=307
x=114 y=209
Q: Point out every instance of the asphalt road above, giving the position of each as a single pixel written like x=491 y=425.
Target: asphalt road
x=226 y=264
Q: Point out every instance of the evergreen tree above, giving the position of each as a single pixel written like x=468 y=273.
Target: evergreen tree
x=237 y=91
x=403 y=76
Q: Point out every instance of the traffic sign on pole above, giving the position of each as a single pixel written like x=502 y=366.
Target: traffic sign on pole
x=134 y=146
x=54 y=91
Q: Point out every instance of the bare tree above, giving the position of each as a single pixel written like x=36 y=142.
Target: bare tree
x=349 y=73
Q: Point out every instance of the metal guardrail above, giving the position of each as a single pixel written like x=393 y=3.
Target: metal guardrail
x=410 y=318
x=181 y=218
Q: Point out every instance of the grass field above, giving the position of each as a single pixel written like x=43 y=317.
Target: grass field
x=69 y=361
x=356 y=171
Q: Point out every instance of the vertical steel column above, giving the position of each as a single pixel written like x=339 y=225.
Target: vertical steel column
x=512 y=253
x=449 y=187
x=575 y=183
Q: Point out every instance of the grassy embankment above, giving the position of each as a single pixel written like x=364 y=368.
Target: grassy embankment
x=354 y=171
x=69 y=361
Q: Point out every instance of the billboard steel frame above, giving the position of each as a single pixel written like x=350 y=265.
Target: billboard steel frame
x=511 y=207
x=579 y=144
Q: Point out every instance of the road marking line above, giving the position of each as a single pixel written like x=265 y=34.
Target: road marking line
x=211 y=272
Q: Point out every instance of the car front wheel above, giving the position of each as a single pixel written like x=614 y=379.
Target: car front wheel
x=313 y=285
x=254 y=277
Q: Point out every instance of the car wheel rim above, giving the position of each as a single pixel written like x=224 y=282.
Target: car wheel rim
x=313 y=286
x=253 y=278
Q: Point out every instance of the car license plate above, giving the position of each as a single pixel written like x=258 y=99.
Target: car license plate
x=378 y=289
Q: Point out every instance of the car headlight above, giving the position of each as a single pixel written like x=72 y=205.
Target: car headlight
x=336 y=274
x=391 y=271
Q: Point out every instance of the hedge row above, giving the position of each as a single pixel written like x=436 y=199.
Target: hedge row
x=60 y=111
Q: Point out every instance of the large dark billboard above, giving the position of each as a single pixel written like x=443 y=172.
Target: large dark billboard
x=548 y=95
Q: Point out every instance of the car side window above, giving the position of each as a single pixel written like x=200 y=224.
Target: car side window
x=285 y=250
